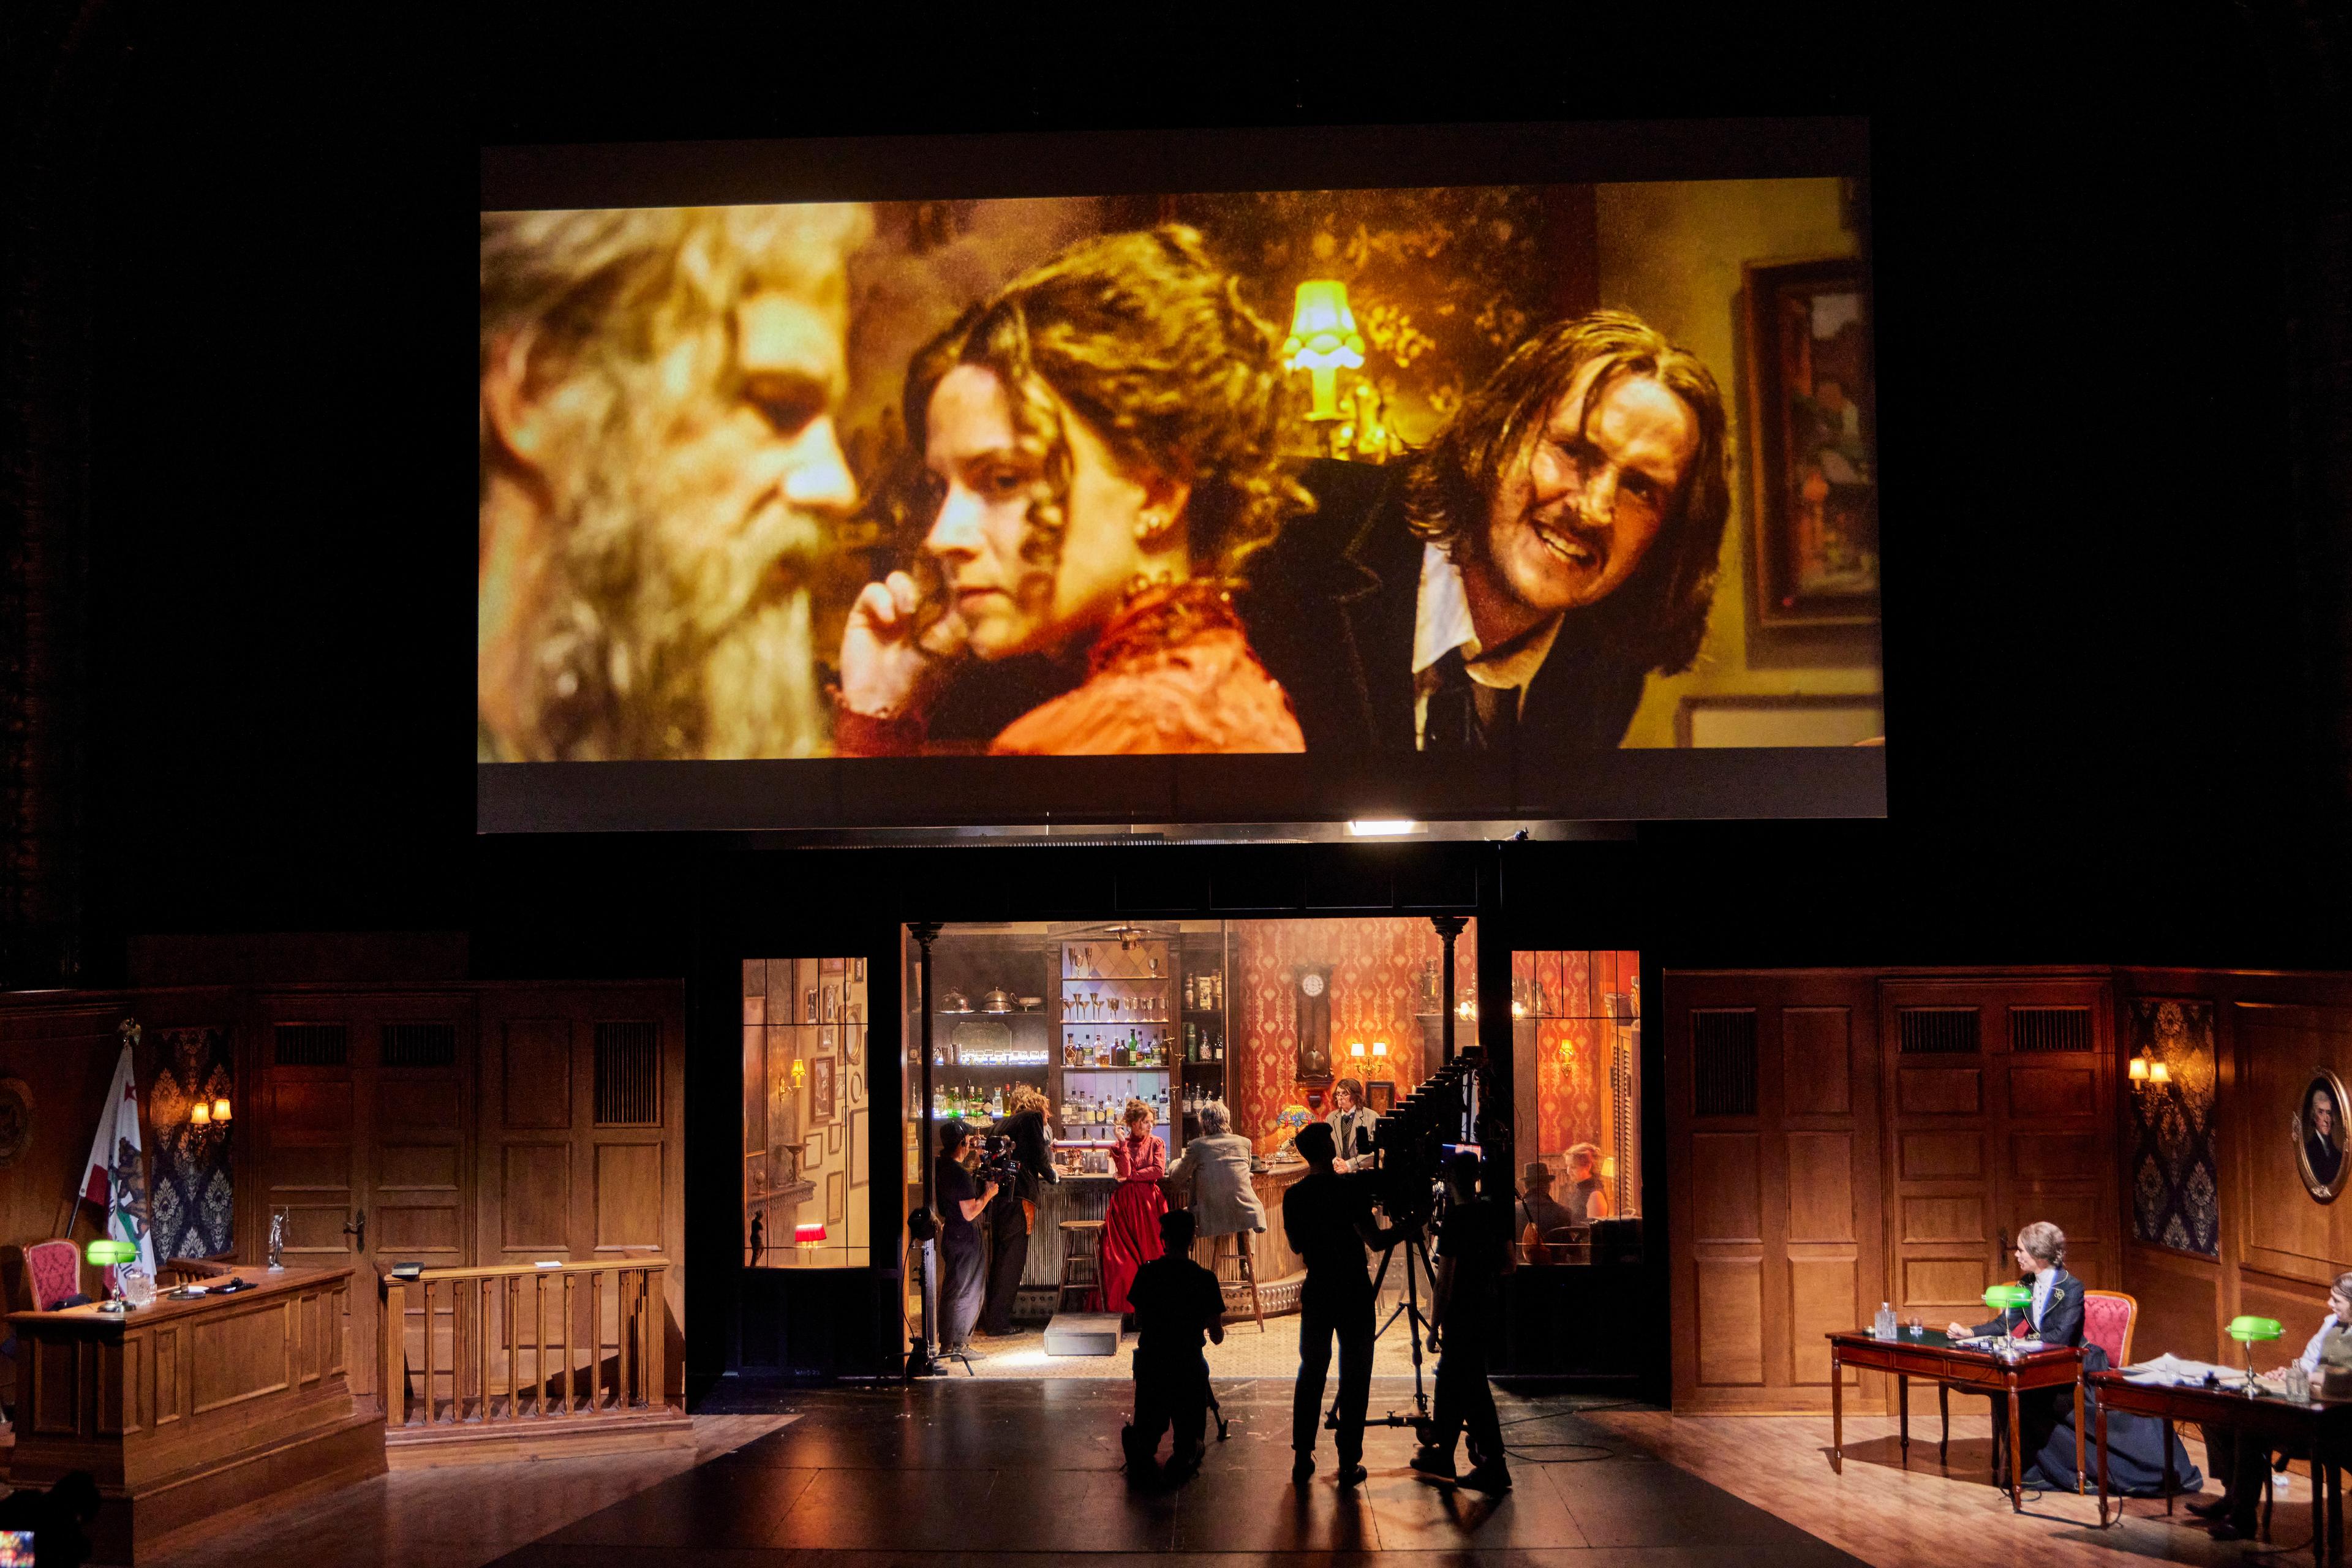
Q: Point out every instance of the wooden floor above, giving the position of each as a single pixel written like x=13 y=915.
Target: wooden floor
x=875 y=1478
x=1920 y=1516
x=460 y=1516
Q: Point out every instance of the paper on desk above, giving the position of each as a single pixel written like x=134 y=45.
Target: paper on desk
x=2169 y=1368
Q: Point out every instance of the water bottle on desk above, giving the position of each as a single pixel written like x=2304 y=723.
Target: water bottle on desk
x=1881 y=1327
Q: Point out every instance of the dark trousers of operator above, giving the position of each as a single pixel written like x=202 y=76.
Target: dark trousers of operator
x=1170 y=1396
x=1321 y=1315
x=959 y=1290
x=1464 y=1401
x=1008 y=1228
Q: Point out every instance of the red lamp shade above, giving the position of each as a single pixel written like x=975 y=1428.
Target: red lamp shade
x=809 y=1234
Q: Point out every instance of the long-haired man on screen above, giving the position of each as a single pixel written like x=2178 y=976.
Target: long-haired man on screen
x=1101 y=459
x=659 y=469
x=1516 y=581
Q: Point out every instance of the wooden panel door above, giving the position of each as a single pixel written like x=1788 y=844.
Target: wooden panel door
x=581 y=1157
x=365 y=1139
x=1775 y=1242
x=2001 y=1113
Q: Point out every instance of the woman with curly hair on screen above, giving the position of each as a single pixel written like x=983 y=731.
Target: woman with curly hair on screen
x=1100 y=459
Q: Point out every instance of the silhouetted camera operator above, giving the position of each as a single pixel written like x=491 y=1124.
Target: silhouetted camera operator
x=1328 y=1219
x=1474 y=1253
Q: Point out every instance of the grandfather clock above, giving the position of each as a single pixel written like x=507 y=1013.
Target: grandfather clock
x=1313 y=1000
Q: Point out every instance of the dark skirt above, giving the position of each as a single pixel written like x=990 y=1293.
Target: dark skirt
x=2135 y=1454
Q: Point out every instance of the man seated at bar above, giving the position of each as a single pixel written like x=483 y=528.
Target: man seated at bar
x=1539 y=1215
x=1216 y=1166
x=2240 y=1458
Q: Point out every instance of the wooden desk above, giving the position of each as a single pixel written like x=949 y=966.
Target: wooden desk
x=183 y=1410
x=2322 y=1428
x=1933 y=1355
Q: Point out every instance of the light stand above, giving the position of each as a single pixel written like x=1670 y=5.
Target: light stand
x=1416 y=1249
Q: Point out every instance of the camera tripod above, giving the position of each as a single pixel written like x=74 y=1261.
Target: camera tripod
x=1415 y=1246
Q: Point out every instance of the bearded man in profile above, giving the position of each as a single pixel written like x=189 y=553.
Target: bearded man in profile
x=659 y=473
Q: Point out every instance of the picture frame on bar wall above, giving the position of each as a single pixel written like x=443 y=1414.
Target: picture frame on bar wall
x=858 y=1163
x=835 y=1205
x=821 y=1087
x=1811 y=417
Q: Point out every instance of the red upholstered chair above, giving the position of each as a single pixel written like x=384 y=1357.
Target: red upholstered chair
x=2107 y=1320
x=55 y=1269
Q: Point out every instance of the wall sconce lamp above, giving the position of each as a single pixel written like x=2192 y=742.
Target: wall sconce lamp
x=1379 y=1048
x=1356 y=1050
x=1608 y=1167
x=2146 y=1068
x=800 y=1072
x=200 y=1114
x=1467 y=1008
x=1323 y=341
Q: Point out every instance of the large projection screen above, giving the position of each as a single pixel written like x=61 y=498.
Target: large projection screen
x=1507 y=473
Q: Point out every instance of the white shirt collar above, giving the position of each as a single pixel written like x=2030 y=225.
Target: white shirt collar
x=1441 y=621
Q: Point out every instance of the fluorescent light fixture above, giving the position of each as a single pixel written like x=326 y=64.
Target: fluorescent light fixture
x=1383 y=826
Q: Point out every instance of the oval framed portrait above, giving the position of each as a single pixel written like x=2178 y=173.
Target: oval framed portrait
x=2318 y=1131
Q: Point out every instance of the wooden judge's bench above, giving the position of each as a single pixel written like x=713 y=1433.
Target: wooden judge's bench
x=183 y=1410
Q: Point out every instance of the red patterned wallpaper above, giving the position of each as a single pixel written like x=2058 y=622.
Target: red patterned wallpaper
x=1569 y=1088
x=1376 y=972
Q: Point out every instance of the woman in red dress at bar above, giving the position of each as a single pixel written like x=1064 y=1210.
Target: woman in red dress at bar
x=1131 y=1237
x=1101 y=455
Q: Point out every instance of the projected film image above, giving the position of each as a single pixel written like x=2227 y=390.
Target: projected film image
x=1548 y=469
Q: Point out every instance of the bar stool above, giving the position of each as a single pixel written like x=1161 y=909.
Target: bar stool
x=1248 y=1269
x=1081 y=1242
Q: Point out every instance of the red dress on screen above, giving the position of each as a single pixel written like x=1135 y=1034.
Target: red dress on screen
x=1132 y=1235
x=1172 y=672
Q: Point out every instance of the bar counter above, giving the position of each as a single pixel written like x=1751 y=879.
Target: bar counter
x=1087 y=1196
x=183 y=1410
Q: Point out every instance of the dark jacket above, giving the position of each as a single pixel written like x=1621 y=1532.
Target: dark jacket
x=1330 y=607
x=2062 y=1320
x=1027 y=1131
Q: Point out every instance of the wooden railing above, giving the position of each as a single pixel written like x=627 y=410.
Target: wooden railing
x=523 y=1352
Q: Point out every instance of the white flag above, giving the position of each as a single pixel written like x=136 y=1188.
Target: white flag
x=116 y=1179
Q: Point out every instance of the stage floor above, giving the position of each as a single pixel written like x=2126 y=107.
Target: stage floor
x=967 y=1470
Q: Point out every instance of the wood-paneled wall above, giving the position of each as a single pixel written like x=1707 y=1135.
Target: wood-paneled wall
x=1830 y=1168
x=1776 y=1235
x=2279 y=1249
x=462 y=1120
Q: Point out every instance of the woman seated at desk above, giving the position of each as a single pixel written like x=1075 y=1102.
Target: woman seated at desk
x=2240 y=1458
x=2045 y=1416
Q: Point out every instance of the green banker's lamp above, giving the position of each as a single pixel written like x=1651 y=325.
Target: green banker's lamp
x=2248 y=1332
x=2009 y=1298
x=108 y=1253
